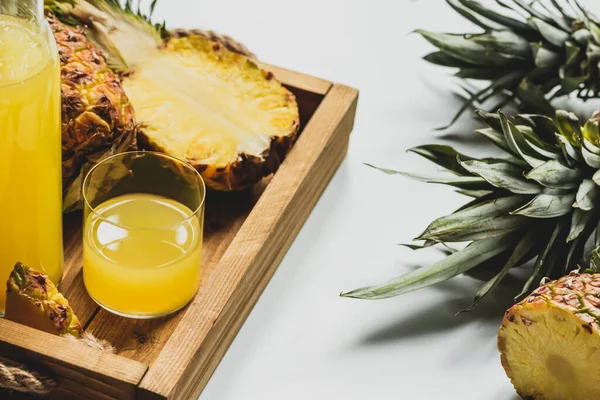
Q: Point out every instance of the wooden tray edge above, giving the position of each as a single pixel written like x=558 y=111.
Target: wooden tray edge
x=84 y=366
x=204 y=334
x=298 y=79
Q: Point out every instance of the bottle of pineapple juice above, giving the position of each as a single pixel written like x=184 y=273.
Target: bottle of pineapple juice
x=30 y=150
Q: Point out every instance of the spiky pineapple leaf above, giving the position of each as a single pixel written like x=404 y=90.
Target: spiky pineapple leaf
x=444 y=156
x=555 y=175
x=549 y=204
x=523 y=247
x=412 y=246
x=579 y=220
x=451 y=266
x=568 y=125
x=502 y=175
x=587 y=195
x=517 y=143
x=591 y=159
x=552 y=34
x=541 y=263
x=441 y=58
x=503 y=20
x=595 y=261
x=480 y=221
x=461 y=182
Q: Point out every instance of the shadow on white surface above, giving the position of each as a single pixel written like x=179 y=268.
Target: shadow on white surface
x=440 y=316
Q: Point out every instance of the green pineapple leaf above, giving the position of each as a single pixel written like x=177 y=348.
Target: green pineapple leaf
x=502 y=174
x=537 y=202
x=451 y=266
x=529 y=55
x=522 y=249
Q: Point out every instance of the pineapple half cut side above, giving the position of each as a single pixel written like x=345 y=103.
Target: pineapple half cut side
x=214 y=108
x=550 y=341
x=194 y=98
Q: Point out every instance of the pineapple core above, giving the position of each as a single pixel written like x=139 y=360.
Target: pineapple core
x=550 y=343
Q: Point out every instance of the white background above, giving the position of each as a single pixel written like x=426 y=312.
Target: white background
x=302 y=341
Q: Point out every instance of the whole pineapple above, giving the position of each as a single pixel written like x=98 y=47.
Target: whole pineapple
x=97 y=118
x=550 y=341
x=194 y=98
x=537 y=203
x=528 y=51
x=33 y=300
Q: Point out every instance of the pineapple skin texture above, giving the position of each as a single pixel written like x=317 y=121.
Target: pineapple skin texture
x=550 y=341
x=246 y=169
x=97 y=117
x=33 y=300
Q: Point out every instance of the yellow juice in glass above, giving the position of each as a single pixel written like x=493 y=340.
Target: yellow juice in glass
x=30 y=151
x=142 y=255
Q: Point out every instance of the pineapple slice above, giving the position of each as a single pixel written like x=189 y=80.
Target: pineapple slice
x=550 y=341
x=33 y=300
x=194 y=98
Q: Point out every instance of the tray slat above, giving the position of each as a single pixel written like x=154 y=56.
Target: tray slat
x=81 y=368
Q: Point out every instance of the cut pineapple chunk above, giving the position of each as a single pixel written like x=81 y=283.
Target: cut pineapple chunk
x=550 y=342
x=33 y=300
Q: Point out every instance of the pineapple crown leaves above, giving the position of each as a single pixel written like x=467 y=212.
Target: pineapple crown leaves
x=538 y=202
x=123 y=32
x=545 y=50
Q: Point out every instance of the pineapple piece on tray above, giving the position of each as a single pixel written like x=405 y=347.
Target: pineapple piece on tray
x=550 y=341
x=193 y=97
x=33 y=300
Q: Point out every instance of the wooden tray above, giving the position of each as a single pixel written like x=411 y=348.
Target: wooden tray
x=246 y=236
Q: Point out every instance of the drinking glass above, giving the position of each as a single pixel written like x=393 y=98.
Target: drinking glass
x=142 y=233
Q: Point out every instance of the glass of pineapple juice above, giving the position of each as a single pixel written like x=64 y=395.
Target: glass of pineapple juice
x=30 y=143
x=142 y=233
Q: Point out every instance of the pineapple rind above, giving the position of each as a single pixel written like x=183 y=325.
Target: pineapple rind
x=550 y=341
x=35 y=291
x=97 y=118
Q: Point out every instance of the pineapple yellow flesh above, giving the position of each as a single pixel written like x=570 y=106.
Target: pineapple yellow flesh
x=207 y=107
x=33 y=300
x=550 y=342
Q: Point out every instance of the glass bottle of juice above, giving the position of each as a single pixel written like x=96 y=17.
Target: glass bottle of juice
x=30 y=143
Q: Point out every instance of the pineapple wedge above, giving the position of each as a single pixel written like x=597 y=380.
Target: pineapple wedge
x=33 y=300
x=550 y=341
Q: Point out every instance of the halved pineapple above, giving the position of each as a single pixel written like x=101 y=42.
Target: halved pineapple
x=550 y=341
x=33 y=300
x=194 y=98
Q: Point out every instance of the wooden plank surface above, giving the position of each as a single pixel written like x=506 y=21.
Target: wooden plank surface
x=79 y=368
x=223 y=302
